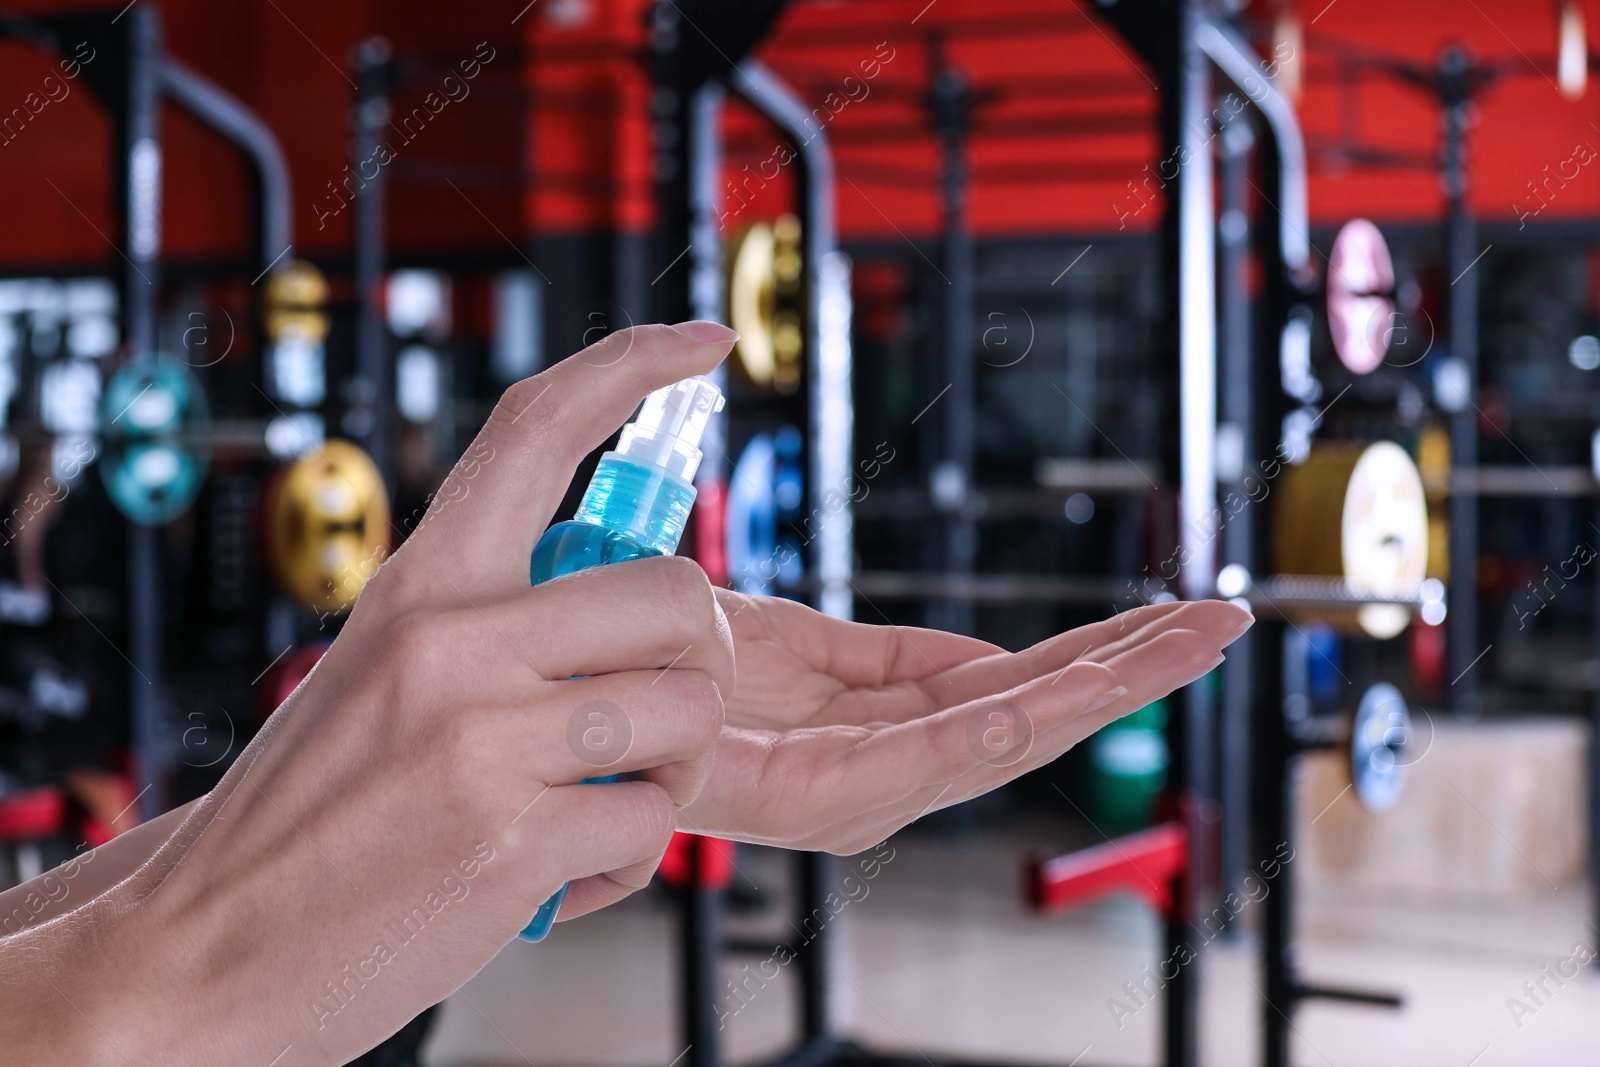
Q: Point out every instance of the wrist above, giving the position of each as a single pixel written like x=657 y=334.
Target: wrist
x=66 y=1000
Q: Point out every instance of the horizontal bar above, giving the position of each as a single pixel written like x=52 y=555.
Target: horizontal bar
x=993 y=504
x=1318 y=591
x=1517 y=481
x=1307 y=991
x=751 y=946
x=1143 y=864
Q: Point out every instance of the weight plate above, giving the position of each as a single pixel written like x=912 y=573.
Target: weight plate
x=1358 y=513
x=150 y=414
x=1360 y=296
x=327 y=526
x=1378 y=739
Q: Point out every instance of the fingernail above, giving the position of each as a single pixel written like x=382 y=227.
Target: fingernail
x=1239 y=631
x=1110 y=696
x=706 y=333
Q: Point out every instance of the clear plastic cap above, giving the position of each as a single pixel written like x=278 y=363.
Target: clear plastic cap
x=670 y=425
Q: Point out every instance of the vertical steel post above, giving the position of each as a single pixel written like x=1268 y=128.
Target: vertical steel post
x=950 y=106
x=1273 y=816
x=828 y=382
x=1238 y=536
x=1594 y=781
x=1197 y=383
x=708 y=298
x=374 y=387
x=828 y=386
x=700 y=934
x=1461 y=249
x=140 y=190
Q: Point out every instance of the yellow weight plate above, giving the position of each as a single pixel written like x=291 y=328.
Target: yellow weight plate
x=1358 y=513
x=765 y=270
x=327 y=522
x=296 y=295
x=751 y=294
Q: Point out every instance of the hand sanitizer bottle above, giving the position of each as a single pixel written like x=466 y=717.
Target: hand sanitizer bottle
x=637 y=505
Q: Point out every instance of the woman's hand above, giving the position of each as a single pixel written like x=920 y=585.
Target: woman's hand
x=838 y=733
x=407 y=809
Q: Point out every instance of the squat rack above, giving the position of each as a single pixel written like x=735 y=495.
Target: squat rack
x=131 y=85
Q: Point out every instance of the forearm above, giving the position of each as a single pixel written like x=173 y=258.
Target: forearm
x=84 y=877
x=51 y=981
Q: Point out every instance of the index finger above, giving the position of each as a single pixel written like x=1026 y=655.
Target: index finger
x=504 y=489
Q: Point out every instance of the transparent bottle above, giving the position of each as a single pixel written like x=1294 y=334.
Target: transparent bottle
x=637 y=505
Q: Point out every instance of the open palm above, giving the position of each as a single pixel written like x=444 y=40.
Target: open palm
x=840 y=733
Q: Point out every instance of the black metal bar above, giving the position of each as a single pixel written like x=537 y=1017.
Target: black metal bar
x=831 y=412
x=140 y=216
x=830 y=419
x=816 y=869
x=950 y=104
x=1238 y=536
x=1187 y=99
x=1594 y=779
x=682 y=200
x=708 y=297
x=243 y=128
x=753 y=946
x=1353 y=996
x=1273 y=807
x=1180 y=1024
x=700 y=941
x=371 y=394
x=1455 y=85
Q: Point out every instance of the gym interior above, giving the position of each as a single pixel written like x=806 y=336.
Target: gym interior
x=1047 y=310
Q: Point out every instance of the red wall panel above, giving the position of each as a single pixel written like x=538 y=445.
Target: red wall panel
x=552 y=135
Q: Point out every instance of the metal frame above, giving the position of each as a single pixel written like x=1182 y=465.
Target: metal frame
x=147 y=76
x=831 y=419
x=1257 y=685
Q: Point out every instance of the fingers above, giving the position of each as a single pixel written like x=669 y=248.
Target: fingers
x=1102 y=641
x=602 y=890
x=1149 y=671
x=1213 y=621
x=892 y=775
x=636 y=615
x=843 y=773
x=982 y=675
x=502 y=493
x=581 y=833
x=1053 y=722
x=664 y=724
x=856 y=654
x=1033 y=727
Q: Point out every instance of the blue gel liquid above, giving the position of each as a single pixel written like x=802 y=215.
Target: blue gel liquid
x=630 y=511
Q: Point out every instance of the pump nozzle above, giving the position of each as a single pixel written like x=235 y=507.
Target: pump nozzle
x=670 y=424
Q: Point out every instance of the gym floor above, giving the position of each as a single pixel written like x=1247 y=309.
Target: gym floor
x=940 y=958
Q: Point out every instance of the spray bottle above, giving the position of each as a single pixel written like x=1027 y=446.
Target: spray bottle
x=637 y=505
